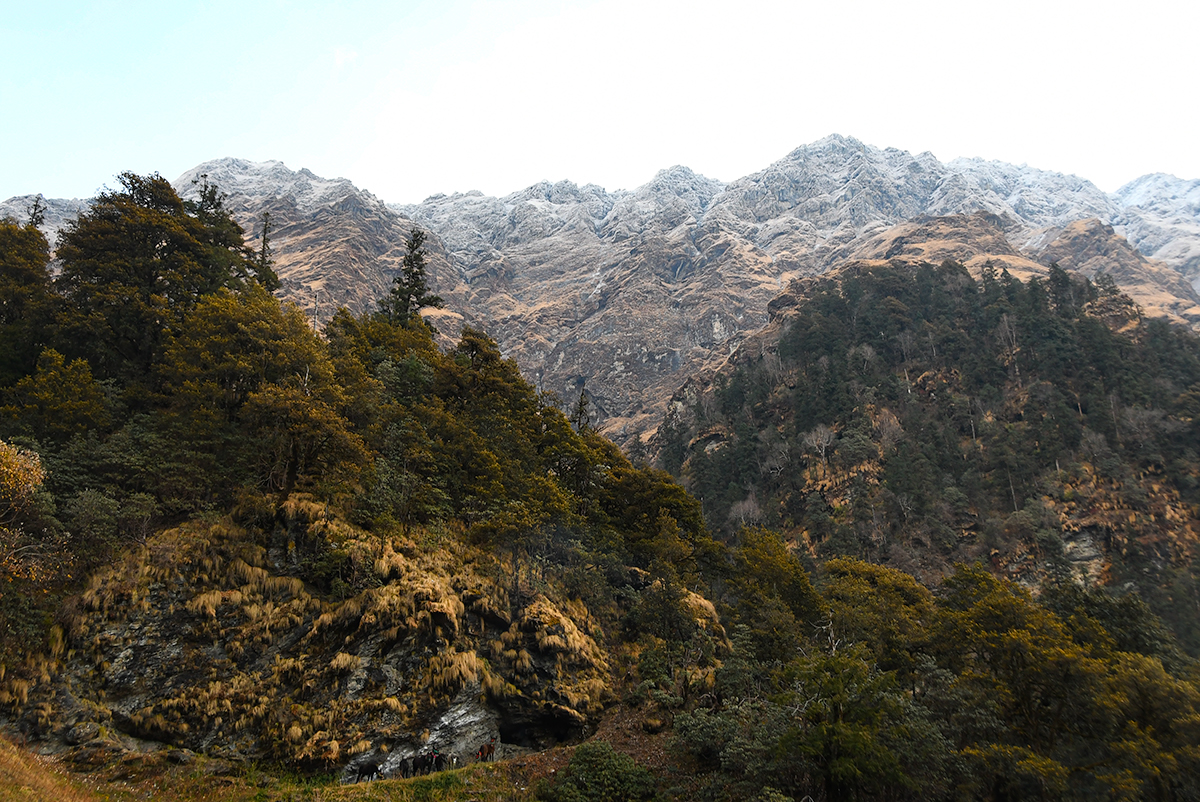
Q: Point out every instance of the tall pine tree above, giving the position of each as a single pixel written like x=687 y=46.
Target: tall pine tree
x=410 y=290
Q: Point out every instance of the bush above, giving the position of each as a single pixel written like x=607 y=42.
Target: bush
x=599 y=773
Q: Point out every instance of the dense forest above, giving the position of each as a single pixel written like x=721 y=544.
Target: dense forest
x=336 y=536
x=918 y=417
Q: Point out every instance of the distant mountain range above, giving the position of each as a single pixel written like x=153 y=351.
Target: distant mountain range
x=627 y=293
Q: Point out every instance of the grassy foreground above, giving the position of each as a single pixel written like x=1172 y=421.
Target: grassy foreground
x=25 y=776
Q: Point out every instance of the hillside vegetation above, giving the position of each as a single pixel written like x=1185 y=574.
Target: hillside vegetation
x=166 y=385
x=239 y=553
x=916 y=416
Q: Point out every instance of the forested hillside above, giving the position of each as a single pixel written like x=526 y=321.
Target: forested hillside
x=245 y=557
x=156 y=379
x=916 y=416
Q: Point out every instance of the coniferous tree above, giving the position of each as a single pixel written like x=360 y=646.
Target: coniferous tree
x=410 y=290
x=264 y=263
x=135 y=262
x=26 y=302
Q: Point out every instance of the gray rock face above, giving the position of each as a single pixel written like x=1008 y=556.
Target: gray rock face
x=1160 y=216
x=458 y=733
x=58 y=213
x=334 y=244
x=629 y=292
x=1036 y=197
x=82 y=733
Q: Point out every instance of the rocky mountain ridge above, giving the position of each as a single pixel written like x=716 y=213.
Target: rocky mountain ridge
x=1159 y=216
x=628 y=292
x=577 y=280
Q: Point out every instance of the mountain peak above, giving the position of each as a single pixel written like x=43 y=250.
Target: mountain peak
x=259 y=181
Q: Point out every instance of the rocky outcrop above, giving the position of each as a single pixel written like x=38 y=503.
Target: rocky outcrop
x=206 y=640
x=1090 y=247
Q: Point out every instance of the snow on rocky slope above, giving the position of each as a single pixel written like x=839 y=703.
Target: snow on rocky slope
x=628 y=292
x=1160 y=216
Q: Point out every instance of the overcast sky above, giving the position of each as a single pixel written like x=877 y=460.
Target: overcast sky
x=408 y=98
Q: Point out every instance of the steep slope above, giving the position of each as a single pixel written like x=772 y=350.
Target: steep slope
x=1036 y=197
x=823 y=195
x=203 y=640
x=629 y=291
x=1089 y=248
x=334 y=244
x=1085 y=247
x=619 y=291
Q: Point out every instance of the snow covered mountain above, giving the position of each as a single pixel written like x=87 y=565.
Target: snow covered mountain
x=628 y=292
x=1160 y=215
x=58 y=212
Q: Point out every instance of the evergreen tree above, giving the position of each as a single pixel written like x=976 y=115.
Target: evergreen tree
x=135 y=262
x=264 y=263
x=410 y=291
x=26 y=301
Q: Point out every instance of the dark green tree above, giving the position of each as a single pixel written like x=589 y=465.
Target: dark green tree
x=599 y=772
x=410 y=290
x=134 y=263
x=26 y=302
x=225 y=239
x=264 y=263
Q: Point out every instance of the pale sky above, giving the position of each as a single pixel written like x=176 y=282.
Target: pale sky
x=411 y=98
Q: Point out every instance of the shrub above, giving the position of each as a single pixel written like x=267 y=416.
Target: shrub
x=600 y=773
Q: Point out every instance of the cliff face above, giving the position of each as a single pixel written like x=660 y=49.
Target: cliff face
x=620 y=292
x=333 y=244
x=1160 y=216
x=1090 y=247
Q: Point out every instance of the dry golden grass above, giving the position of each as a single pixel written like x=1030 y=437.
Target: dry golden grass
x=390 y=564
x=450 y=671
x=557 y=633
x=496 y=687
x=284 y=690
x=343 y=662
x=24 y=776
